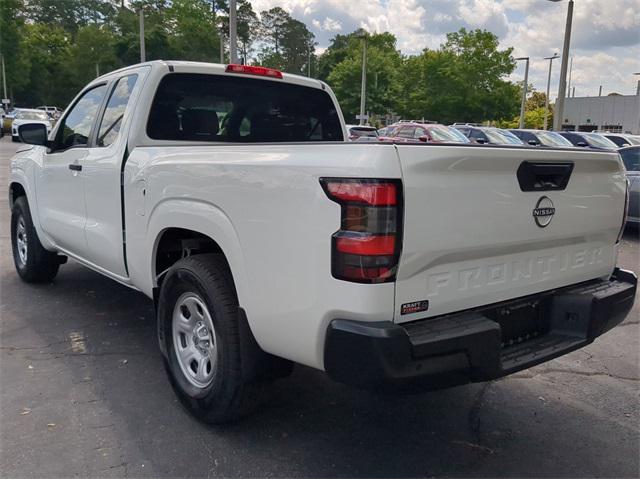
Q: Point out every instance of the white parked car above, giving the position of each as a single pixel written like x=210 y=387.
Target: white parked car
x=53 y=111
x=231 y=197
x=25 y=115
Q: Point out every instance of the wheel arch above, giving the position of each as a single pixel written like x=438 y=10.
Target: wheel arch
x=16 y=190
x=197 y=226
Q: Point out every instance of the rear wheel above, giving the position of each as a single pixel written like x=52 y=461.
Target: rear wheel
x=33 y=263
x=200 y=334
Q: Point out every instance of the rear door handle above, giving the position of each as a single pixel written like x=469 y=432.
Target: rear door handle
x=75 y=167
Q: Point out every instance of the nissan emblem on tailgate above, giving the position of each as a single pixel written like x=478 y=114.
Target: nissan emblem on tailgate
x=543 y=212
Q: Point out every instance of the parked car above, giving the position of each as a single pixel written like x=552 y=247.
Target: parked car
x=622 y=140
x=631 y=159
x=362 y=133
x=53 y=111
x=589 y=140
x=7 y=119
x=25 y=116
x=275 y=241
x=487 y=135
x=413 y=132
x=542 y=138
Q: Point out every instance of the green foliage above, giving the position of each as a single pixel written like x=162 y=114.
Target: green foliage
x=52 y=48
x=383 y=73
x=463 y=81
x=287 y=42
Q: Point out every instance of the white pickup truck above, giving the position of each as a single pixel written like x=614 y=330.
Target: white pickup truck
x=230 y=196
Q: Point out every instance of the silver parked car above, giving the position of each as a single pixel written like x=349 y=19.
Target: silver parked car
x=631 y=159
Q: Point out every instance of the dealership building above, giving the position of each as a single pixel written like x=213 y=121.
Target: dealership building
x=614 y=113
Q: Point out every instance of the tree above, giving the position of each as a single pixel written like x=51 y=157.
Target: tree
x=248 y=25
x=46 y=54
x=194 y=35
x=383 y=81
x=11 y=31
x=463 y=81
x=272 y=28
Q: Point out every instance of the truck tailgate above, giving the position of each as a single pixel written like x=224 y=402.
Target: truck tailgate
x=473 y=237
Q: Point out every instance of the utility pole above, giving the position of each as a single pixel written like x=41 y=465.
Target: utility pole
x=546 y=106
x=524 y=90
x=4 y=80
x=143 y=55
x=97 y=70
x=570 y=71
x=363 y=91
x=562 y=87
x=233 y=32
x=309 y=60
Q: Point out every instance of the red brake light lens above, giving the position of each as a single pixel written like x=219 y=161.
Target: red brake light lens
x=254 y=70
x=366 y=248
x=367 y=245
x=375 y=194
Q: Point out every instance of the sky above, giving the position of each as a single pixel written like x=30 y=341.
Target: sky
x=605 y=42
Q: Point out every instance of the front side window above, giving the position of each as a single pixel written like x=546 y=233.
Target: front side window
x=114 y=112
x=76 y=126
x=201 y=107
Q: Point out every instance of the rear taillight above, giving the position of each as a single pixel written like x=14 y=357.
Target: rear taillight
x=626 y=210
x=366 y=248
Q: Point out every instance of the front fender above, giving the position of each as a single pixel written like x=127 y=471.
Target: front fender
x=23 y=171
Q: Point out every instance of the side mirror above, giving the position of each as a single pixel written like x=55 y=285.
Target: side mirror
x=423 y=138
x=581 y=144
x=533 y=142
x=33 y=134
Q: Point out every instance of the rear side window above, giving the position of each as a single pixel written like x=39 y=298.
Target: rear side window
x=200 y=107
x=114 y=113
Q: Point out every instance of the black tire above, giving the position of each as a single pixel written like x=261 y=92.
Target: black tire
x=228 y=396
x=15 y=138
x=41 y=266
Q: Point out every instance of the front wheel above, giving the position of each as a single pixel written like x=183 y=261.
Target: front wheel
x=34 y=264
x=200 y=335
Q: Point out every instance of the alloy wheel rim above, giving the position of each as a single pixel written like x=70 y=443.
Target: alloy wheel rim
x=21 y=241
x=194 y=340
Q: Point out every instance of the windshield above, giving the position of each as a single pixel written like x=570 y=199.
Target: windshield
x=360 y=131
x=635 y=140
x=461 y=138
x=496 y=137
x=599 y=141
x=442 y=133
x=32 y=115
x=514 y=139
x=549 y=138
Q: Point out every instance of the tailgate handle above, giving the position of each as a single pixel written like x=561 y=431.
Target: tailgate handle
x=539 y=176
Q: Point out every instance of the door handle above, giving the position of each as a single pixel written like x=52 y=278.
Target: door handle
x=75 y=167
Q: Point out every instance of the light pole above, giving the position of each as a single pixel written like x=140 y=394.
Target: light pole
x=309 y=60
x=233 y=32
x=5 y=105
x=570 y=71
x=363 y=91
x=524 y=90
x=142 y=52
x=562 y=87
x=546 y=106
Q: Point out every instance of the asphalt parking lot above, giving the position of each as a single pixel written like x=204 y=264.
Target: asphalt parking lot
x=83 y=393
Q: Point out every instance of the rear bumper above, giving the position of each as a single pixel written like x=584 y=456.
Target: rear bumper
x=480 y=344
